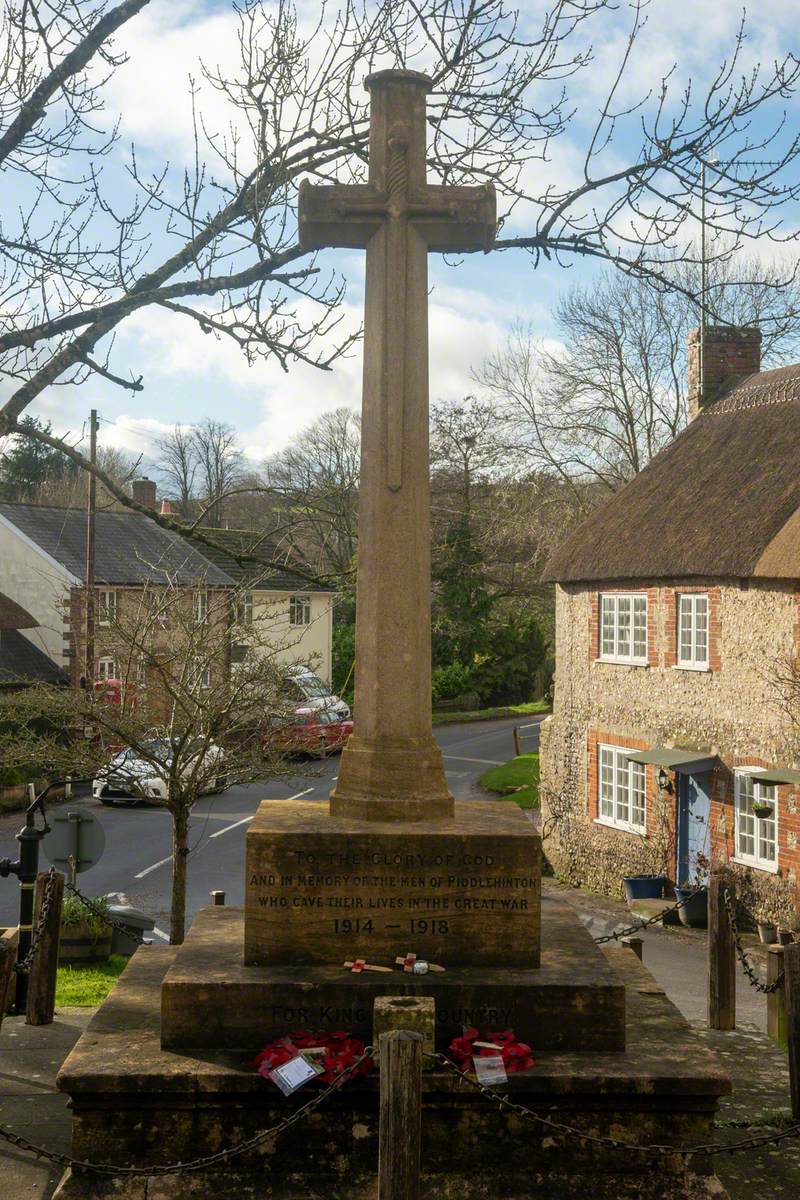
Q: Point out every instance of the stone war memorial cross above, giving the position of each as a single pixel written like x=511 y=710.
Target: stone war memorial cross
x=395 y=866
x=392 y=768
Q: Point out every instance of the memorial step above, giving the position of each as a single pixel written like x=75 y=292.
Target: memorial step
x=572 y=1001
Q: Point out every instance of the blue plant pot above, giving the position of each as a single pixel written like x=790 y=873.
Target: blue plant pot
x=694 y=912
x=644 y=887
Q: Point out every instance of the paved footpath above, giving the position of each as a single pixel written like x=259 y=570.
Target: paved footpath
x=30 y=1058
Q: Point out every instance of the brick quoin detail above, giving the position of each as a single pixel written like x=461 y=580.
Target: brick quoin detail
x=652 y=629
x=594 y=626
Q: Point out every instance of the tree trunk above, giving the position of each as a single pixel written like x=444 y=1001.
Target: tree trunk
x=180 y=852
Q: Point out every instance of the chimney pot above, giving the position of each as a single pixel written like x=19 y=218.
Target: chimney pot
x=144 y=492
x=725 y=356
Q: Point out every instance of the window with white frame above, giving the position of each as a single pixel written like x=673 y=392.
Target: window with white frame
x=756 y=822
x=200 y=674
x=621 y=790
x=106 y=606
x=693 y=630
x=623 y=626
x=106 y=668
x=299 y=610
x=243 y=614
x=200 y=607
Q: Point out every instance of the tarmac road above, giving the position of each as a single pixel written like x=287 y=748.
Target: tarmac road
x=136 y=864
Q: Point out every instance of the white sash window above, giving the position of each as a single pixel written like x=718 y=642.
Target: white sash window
x=623 y=627
x=693 y=630
x=621 y=790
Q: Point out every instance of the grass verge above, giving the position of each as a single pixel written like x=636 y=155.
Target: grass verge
x=81 y=987
x=516 y=780
x=488 y=714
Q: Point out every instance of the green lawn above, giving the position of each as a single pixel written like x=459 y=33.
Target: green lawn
x=517 y=780
x=85 y=986
x=487 y=714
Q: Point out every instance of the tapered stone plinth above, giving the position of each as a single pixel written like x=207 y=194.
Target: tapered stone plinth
x=395 y=782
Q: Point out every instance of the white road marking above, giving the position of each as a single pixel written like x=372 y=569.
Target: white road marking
x=154 y=867
x=160 y=933
x=492 y=762
x=246 y=820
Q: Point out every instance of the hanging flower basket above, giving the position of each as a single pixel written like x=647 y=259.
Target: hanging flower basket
x=763 y=810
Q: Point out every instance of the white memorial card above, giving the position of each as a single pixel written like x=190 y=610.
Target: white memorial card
x=291 y=1075
x=490 y=1069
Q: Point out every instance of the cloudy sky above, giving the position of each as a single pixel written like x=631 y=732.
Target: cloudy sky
x=188 y=375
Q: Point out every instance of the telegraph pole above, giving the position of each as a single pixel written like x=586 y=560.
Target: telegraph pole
x=90 y=533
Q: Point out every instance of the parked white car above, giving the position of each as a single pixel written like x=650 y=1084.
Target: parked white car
x=130 y=778
x=316 y=694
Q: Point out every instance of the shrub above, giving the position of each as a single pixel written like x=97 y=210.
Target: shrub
x=449 y=681
x=75 y=912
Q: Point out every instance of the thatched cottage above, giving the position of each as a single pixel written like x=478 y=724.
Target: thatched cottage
x=674 y=742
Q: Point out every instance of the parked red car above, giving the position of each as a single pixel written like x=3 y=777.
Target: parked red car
x=308 y=731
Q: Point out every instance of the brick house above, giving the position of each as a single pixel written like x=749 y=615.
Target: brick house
x=677 y=616
x=42 y=568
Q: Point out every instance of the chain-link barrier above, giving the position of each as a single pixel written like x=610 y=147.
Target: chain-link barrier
x=655 y=1148
x=766 y=988
x=136 y=935
x=208 y=1161
x=27 y=962
x=642 y=922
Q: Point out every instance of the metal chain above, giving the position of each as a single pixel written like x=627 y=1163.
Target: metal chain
x=196 y=1164
x=642 y=923
x=135 y=934
x=654 y=1148
x=23 y=967
x=766 y=988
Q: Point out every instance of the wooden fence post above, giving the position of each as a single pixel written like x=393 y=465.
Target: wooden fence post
x=517 y=747
x=41 y=1004
x=721 y=958
x=400 y=1135
x=8 y=956
x=791 y=960
x=776 y=1001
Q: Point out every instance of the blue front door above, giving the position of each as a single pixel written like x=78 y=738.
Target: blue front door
x=694 y=818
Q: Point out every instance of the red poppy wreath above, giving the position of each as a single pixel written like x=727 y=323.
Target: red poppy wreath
x=341 y=1053
x=516 y=1055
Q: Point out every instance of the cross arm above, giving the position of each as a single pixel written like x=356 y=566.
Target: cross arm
x=455 y=218
x=338 y=215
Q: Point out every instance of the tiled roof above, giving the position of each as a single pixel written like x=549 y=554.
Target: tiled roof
x=21 y=662
x=722 y=500
x=256 y=565
x=129 y=548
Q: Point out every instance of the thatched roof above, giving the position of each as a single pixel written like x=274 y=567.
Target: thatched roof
x=14 y=616
x=721 y=500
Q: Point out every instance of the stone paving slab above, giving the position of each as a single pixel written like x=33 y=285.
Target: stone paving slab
x=30 y=1057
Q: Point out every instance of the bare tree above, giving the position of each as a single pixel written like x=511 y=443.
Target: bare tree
x=217 y=244
x=219 y=466
x=177 y=463
x=595 y=410
x=198 y=683
x=316 y=477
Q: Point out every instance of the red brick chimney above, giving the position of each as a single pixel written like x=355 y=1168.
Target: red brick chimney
x=166 y=508
x=726 y=356
x=144 y=492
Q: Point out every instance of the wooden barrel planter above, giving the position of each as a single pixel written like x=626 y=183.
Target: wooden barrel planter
x=81 y=944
